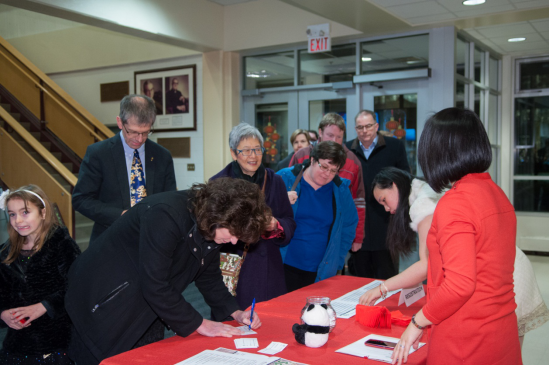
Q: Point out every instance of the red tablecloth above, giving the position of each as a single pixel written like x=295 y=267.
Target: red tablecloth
x=278 y=315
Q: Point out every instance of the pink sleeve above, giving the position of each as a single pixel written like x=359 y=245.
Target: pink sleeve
x=277 y=233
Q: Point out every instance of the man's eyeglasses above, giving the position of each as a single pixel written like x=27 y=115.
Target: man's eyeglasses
x=248 y=151
x=133 y=134
x=367 y=126
x=327 y=169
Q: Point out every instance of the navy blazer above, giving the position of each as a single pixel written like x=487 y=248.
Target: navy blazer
x=102 y=192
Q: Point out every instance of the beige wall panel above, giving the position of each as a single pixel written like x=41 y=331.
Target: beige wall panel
x=23 y=88
x=18 y=168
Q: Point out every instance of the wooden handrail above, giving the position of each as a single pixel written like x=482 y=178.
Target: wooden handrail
x=102 y=128
x=82 y=123
x=42 y=151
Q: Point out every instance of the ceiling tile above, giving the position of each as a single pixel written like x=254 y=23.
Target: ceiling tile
x=512 y=30
x=474 y=11
x=538 y=47
x=540 y=25
x=545 y=35
x=431 y=19
x=386 y=3
x=530 y=37
x=456 y=5
x=415 y=10
x=531 y=4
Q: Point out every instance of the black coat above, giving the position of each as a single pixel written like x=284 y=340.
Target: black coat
x=136 y=272
x=103 y=191
x=44 y=281
x=388 y=152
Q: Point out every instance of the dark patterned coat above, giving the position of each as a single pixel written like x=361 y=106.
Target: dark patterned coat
x=262 y=274
x=45 y=281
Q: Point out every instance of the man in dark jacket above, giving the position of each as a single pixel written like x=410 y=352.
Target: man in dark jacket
x=123 y=288
x=372 y=259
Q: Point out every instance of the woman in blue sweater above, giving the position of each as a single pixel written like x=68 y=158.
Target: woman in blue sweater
x=325 y=215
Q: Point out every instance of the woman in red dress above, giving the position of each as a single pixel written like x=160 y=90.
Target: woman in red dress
x=470 y=303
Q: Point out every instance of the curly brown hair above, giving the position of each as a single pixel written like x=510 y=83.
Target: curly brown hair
x=234 y=204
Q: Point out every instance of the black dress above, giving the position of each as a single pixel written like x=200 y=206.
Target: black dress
x=40 y=278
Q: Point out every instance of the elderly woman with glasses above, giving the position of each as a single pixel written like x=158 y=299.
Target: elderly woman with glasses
x=325 y=214
x=262 y=273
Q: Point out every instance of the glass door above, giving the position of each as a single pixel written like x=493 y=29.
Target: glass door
x=275 y=115
x=400 y=111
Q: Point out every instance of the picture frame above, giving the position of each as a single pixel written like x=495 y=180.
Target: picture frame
x=174 y=93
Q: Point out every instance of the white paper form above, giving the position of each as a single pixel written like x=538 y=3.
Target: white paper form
x=245 y=331
x=215 y=357
x=246 y=343
x=345 y=306
x=359 y=349
x=273 y=348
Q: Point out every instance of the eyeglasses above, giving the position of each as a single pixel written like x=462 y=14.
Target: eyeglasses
x=248 y=151
x=327 y=169
x=367 y=126
x=133 y=134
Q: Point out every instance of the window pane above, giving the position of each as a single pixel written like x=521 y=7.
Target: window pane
x=319 y=108
x=334 y=66
x=461 y=57
x=460 y=95
x=272 y=70
x=479 y=65
x=532 y=136
x=405 y=53
x=534 y=75
x=531 y=196
x=478 y=103
x=397 y=117
x=494 y=74
x=272 y=122
x=493 y=119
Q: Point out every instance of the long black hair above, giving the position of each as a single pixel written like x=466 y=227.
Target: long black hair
x=400 y=236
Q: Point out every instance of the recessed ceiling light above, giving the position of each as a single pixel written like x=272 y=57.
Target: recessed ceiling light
x=473 y=2
x=366 y=59
x=518 y=39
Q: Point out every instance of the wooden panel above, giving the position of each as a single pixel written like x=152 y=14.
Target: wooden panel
x=114 y=91
x=178 y=147
x=18 y=168
x=19 y=84
x=63 y=125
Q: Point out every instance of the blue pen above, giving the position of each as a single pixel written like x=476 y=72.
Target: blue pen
x=252 y=315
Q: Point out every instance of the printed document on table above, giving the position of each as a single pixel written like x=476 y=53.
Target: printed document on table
x=359 y=349
x=224 y=356
x=345 y=306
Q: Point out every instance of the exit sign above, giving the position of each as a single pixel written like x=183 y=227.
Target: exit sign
x=319 y=38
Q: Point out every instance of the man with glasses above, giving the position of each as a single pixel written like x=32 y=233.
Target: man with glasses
x=371 y=258
x=117 y=173
x=332 y=128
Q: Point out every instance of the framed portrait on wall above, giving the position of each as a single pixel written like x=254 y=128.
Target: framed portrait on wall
x=174 y=93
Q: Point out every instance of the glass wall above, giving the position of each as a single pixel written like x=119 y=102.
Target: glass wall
x=478 y=89
x=319 y=68
x=395 y=54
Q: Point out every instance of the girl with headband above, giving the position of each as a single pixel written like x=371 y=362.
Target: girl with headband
x=34 y=263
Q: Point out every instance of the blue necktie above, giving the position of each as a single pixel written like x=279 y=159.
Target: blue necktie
x=137 y=187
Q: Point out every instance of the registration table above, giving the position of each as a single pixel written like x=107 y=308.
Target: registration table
x=277 y=317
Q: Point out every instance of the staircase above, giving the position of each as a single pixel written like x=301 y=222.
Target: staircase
x=83 y=226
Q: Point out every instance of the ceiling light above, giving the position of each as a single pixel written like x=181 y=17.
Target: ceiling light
x=518 y=39
x=473 y=2
x=366 y=59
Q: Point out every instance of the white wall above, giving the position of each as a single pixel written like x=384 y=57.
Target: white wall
x=83 y=86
